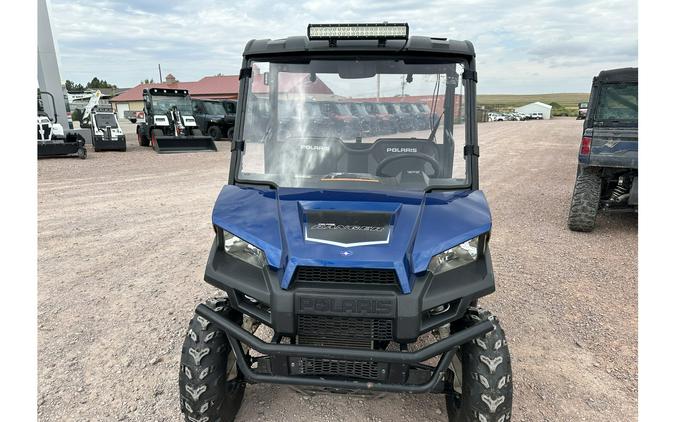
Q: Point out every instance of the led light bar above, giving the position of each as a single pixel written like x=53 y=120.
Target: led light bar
x=358 y=31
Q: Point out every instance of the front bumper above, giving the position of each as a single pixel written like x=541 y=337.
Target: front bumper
x=401 y=371
x=339 y=306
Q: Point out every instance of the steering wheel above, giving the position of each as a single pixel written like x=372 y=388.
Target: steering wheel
x=416 y=155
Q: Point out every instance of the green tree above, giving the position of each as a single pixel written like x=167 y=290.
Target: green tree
x=72 y=86
x=97 y=83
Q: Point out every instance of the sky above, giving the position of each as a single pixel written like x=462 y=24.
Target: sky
x=522 y=47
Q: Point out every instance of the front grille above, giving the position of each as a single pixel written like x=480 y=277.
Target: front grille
x=345 y=275
x=333 y=331
x=338 y=368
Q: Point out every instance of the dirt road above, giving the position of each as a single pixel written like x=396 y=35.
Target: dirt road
x=123 y=239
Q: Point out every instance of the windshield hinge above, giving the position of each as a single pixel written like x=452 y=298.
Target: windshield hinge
x=237 y=146
x=245 y=72
x=470 y=74
x=471 y=150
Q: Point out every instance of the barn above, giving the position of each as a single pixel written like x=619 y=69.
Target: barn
x=536 y=107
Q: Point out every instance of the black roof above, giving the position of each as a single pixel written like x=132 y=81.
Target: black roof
x=166 y=91
x=415 y=44
x=625 y=74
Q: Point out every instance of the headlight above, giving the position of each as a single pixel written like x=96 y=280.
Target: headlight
x=461 y=254
x=243 y=250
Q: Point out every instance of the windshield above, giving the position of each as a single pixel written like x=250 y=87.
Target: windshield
x=103 y=120
x=393 y=108
x=424 y=108
x=161 y=105
x=408 y=108
x=617 y=103
x=354 y=124
x=215 y=108
x=375 y=108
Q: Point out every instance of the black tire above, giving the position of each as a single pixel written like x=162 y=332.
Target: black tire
x=585 y=202
x=215 y=133
x=142 y=139
x=206 y=359
x=82 y=153
x=230 y=133
x=486 y=380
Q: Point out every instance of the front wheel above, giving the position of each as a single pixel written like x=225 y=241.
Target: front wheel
x=82 y=153
x=215 y=133
x=143 y=140
x=479 y=386
x=211 y=388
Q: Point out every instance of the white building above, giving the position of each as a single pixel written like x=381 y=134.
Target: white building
x=536 y=107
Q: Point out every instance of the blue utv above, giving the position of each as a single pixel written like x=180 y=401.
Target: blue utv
x=350 y=264
x=607 y=171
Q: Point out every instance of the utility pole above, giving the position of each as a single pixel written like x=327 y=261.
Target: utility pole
x=160 y=72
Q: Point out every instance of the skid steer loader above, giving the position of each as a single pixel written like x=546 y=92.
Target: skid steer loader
x=169 y=125
x=106 y=134
x=52 y=139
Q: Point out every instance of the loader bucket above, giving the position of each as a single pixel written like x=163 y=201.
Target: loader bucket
x=167 y=144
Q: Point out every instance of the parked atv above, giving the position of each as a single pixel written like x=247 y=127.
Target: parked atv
x=300 y=119
x=607 y=171
x=385 y=123
x=419 y=118
x=344 y=123
x=404 y=122
x=367 y=123
x=213 y=118
x=348 y=250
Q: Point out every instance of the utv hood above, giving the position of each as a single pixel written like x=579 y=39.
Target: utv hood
x=351 y=229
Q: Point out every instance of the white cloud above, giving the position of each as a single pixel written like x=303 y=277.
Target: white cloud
x=537 y=46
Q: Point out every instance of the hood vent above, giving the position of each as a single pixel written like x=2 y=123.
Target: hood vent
x=345 y=275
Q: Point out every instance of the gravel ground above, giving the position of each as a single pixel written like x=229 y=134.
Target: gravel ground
x=123 y=239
